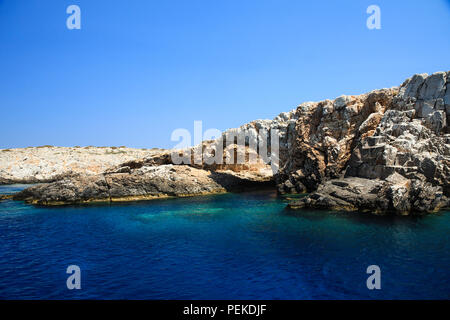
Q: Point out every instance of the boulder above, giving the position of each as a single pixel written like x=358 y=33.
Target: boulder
x=384 y=151
x=396 y=195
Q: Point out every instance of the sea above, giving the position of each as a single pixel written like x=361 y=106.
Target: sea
x=229 y=246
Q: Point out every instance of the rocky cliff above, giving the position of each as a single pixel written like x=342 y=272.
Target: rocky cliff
x=325 y=135
x=399 y=155
x=384 y=151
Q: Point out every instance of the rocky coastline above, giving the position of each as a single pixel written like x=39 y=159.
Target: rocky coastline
x=383 y=152
x=399 y=155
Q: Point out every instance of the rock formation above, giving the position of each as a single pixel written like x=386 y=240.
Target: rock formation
x=400 y=158
x=384 y=151
x=395 y=194
x=325 y=134
x=137 y=183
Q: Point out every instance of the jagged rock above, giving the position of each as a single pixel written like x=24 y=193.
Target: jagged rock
x=408 y=142
x=386 y=150
x=395 y=194
x=325 y=134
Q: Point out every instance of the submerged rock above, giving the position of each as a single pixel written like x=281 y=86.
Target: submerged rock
x=325 y=135
x=5 y=197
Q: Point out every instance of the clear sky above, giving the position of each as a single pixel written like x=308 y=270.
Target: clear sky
x=137 y=70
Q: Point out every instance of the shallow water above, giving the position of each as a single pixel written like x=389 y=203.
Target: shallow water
x=231 y=246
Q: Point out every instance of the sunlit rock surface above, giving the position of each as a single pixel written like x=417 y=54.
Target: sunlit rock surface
x=386 y=151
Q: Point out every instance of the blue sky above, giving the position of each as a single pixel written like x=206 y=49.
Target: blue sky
x=137 y=70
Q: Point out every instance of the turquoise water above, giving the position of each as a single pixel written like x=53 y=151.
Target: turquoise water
x=231 y=246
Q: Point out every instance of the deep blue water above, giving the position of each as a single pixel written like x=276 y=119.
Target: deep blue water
x=232 y=246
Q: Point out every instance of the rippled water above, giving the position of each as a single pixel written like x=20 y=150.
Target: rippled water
x=232 y=246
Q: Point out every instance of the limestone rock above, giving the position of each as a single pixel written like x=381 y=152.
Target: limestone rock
x=143 y=183
x=384 y=151
x=47 y=163
x=400 y=152
x=398 y=196
x=325 y=135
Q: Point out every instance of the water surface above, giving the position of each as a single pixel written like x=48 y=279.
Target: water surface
x=231 y=246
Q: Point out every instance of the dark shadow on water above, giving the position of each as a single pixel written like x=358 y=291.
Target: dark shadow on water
x=234 y=183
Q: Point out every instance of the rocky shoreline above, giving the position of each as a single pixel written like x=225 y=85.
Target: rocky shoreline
x=399 y=158
x=395 y=194
x=386 y=151
x=143 y=183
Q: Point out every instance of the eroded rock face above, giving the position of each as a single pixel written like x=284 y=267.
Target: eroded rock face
x=325 y=135
x=143 y=183
x=157 y=176
x=384 y=151
x=395 y=194
x=253 y=141
x=403 y=158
